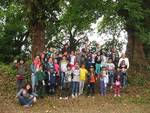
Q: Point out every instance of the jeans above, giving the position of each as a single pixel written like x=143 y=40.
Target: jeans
x=103 y=88
x=91 y=89
x=81 y=87
x=98 y=68
x=62 y=78
x=123 y=77
x=25 y=101
x=75 y=88
x=20 y=84
x=33 y=77
x=111 y=77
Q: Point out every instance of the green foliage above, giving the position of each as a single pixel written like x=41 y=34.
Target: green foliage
x=69 y=20
x=131 y=15
x=137 y=17
x=113 y=43
x=8 y=69
x=76 y=20
x=12 y=32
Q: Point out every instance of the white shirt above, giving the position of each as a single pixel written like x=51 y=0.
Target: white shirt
x=63 y=66
x=72 y=59
x=76 y=75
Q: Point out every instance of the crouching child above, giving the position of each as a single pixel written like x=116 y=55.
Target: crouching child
x=25 y=96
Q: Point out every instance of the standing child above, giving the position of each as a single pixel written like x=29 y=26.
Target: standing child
x=67 y=84
x=91 y=82
x=50 y=63
x=51 y=81
x=83 y=75
x=57 y=71
x=117 y=86
x=103 y=81
x=37 y=62
x=72 y=59
x=111 y=69
x=20 y=74
x=40 y=82
x=33 y=76
x=123 y=73
x=98 y=63
x=75 y=81
x=63 y=69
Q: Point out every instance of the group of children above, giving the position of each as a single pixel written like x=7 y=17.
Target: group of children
x=75 y=73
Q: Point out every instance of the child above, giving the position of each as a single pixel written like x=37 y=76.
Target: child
x=67 y=83
x=51 y=81
x=72 y=59
x=83 y=74
x=56 y=69
x=91 y=82
x=33 y=76
x=117 y=86
x=40 y=82
x=123 y=73
x=103 y=81
x=63 y=68
x=111 y=69
x=50 y=52
x=50 y=63
x=98 y=63
x=93 y=59
x=25 y=96
x=75 y=81
x=20 y=74
x=37 y=62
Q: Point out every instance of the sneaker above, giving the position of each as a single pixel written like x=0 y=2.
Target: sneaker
x=119 y=96
x=72 y=96
x=111 y=87
x=60 y=98
x=93 y=97
x=76 y=95
x=115 y=95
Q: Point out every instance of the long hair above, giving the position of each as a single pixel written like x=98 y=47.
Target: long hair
x=30 y=90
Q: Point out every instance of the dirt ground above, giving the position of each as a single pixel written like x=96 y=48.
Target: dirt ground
x=78 y=105
x=83 y=104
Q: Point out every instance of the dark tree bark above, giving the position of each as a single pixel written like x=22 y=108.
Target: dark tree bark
x=38 y=37
x=135 y=49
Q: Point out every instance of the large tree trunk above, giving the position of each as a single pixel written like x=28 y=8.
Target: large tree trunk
x=73 y=44
x=135 y=49
x=38 y=37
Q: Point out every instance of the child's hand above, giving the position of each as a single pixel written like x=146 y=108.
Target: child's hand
x=43 y=82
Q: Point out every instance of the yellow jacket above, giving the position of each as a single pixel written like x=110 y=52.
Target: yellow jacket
x=83 y=73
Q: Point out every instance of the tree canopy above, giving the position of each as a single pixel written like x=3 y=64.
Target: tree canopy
x=26 y=24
